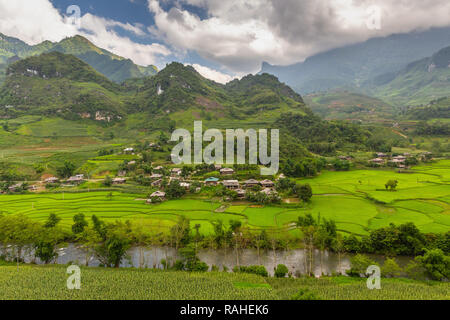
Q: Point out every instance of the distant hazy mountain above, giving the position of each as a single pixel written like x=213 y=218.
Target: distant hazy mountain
x=345 y=105
x=351 y=66
x=114 y=67
x=418 y=83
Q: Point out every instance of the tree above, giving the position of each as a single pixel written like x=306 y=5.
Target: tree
x=339 y=248
x=163 y=139
x=79 y=223
x=89 y=239
x=114 y=245
x=141 y=239
x=174 y=190
x=52 y=221
x=359 y=264
x=180 y=233
x=320 y=238
x=99 y=226
x=47 y=240
x=435 y=263
x=305 y=192
x=108 y=181
x=45 y=251
x=391 y=185
x=390 y=268
x=190 y=260
x=235 y=230
x=66 y=170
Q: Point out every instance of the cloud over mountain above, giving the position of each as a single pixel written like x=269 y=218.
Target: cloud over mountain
x=240 y=34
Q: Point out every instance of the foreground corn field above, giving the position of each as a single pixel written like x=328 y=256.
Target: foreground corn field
x=50 y=282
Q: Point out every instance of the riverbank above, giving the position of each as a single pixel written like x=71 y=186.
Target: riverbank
x=50 y=283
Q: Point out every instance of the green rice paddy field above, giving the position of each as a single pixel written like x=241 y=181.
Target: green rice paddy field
x=356 y=200
x=49 y=283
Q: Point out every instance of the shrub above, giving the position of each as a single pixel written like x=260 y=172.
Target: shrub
x=258 y=270
x=359 y=264
x=390 y=268
x=415 y=271
x=214 y=268
x=305 y=294
x=281 y=271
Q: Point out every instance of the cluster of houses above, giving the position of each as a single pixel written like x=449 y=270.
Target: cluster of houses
x=383 y=159
x=396 y=161
x=74 y=180
x=20 y=186
x=266 y=185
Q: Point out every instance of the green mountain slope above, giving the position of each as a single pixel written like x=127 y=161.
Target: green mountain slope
x=417 y=84
x=112 y=66
x=181 y=92
x=58 y=84
x=40 y=89
x=437 y=109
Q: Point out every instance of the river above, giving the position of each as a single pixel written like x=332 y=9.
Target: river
x=293 y=259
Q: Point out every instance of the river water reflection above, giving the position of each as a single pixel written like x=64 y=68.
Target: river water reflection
x=294 y=259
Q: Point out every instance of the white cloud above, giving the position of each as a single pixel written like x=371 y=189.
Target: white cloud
x=240 y=34
x=99 y=32
x=212 y=74
x=37 y=20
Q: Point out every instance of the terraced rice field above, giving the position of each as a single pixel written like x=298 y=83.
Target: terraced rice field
x=356 y=200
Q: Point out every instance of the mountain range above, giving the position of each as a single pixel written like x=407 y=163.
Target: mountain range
x=114 y=67
x=356 y=66
x=57 y=85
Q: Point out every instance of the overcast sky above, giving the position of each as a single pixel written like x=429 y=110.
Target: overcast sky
x=220 y=38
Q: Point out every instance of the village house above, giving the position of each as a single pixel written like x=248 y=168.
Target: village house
x=211 y=181
x=231 y=184
x=132 y=163
x=226 y=171
x=158 y=168
x=377 y=161
x=128 y=150
x=240 y=193
x=51 y=180
x=185 y=185
x=156 y=176
x=176 y=171
x=267 y=184
x=217 y=166
x=15 y=187
x=32 y=188
x=158 y=194
x=79 y=178
x=398 y=161
x=154 y=145
x=381 y=155
x=157 y=183
x=399 y=158
x=426 y=156
x=251 y=183
x=119 y=180
x=269 y=192
x=345 y=158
